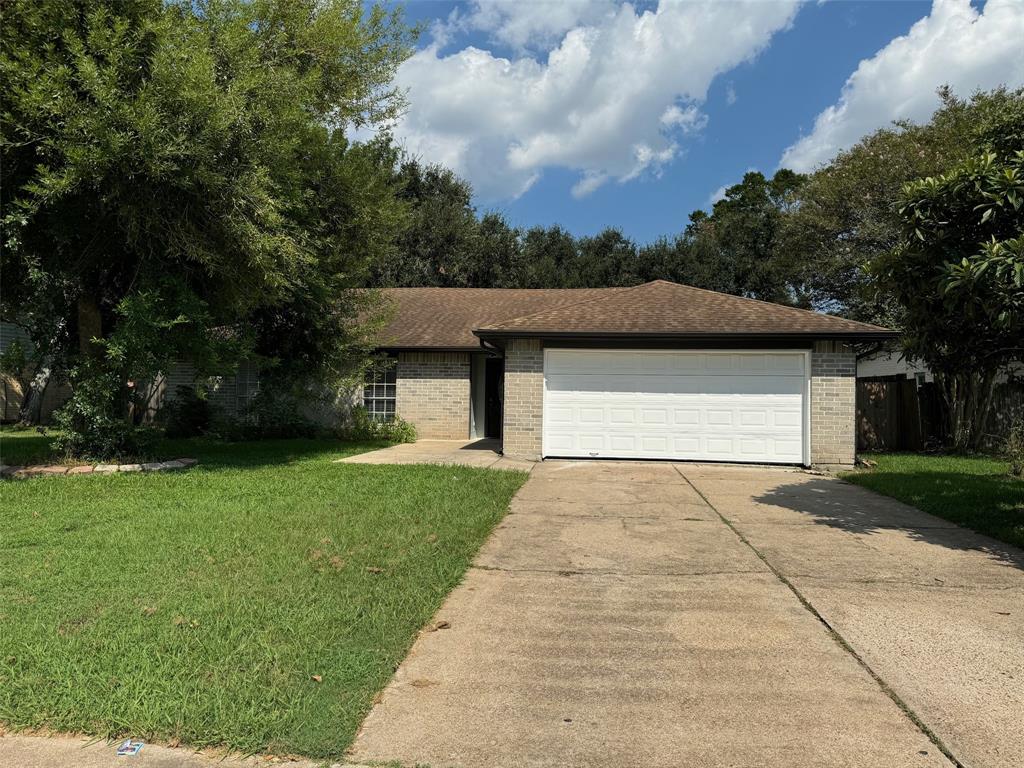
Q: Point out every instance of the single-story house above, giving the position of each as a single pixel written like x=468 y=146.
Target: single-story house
x=656 y=371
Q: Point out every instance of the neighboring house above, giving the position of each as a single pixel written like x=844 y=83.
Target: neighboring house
x=886 y=364
x=230 y=394
x=657 y=371
x=54 y=396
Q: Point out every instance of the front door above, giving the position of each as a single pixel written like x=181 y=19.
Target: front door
x=494 y=382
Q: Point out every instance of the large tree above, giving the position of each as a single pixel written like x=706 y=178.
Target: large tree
x=736 y=248
x=846 y=213
x=176 y=175
x=438 y=245
x=958 y=272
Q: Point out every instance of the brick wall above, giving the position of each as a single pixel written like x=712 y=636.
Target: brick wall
x=833 y=403
x=524 y=398
x=432 y=392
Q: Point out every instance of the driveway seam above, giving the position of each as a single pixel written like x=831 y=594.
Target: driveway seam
x=838 y=638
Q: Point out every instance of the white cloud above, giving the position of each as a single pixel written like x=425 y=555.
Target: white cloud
x=610 y=101
x=718 y=194
x=730 y=95
x=522 y=24
x=689 y=120
x=591 y=180
x=955 y=45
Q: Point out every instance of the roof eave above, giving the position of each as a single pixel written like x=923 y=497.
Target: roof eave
x=426 y=348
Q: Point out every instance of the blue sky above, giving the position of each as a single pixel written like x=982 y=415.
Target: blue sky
x=591 y=114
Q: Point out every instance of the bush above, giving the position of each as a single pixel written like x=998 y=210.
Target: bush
x=362 y=427
x=90 y=426
x=275 y=414
x=188 y=415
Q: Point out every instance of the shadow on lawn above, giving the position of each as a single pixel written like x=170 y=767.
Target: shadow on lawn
x=217 y=454
x=989 y=505
x=26 y=449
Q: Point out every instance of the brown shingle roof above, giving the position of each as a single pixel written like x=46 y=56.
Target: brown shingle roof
x=448 y=318
x=445 y=318
x=664 y=308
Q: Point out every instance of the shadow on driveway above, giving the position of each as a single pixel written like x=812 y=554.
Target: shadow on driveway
x=859 y=510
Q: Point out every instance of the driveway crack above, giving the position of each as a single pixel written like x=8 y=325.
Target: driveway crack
x=833 y=632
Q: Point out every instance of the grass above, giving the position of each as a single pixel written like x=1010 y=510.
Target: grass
x=19 y=447
x=196 y=607
x=974 y=491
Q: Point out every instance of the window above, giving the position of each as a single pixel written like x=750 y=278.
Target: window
x=379 y=392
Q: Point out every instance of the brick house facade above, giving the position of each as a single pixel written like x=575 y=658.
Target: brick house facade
x=779 y=383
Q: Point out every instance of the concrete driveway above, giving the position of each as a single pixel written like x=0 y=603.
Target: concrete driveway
x=629 y=614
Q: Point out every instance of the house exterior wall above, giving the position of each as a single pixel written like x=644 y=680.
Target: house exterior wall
x=524 y=399
x=432 y=392
x=833 y=403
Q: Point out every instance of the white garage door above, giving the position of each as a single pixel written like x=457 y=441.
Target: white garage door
x=709 y=406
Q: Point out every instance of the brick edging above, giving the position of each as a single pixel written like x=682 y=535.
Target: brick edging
x=40 y=470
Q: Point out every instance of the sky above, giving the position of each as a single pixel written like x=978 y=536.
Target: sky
x=598 y=113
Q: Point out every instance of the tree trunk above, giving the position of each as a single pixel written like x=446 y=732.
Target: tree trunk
x=983 y=408
x=31 y=410
x=968 y=398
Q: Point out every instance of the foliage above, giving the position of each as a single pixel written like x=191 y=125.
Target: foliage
x=743 y=233
x=362 y=427
x=275 y=413
x=196 y=606
x=191 y=157
x=845 y=215
x=187 y=415
x=734 y=249
x=958 y=272
x=90 y=424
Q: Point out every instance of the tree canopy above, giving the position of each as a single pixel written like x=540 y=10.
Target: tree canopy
x=958 y=272
x=178 y=181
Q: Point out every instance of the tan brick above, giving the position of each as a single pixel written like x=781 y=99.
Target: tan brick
x=524 y=395
x=432 y=392
x=833 y=398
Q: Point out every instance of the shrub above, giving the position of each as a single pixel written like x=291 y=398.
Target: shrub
x=188 y=415
x=362 y=427
x=274 y=413
x=90 y=426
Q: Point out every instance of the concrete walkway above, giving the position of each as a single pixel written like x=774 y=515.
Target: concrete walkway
x=21 y=751
x=653 y=615
x=474 y=453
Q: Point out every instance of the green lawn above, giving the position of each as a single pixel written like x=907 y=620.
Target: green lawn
x=972 y=491
x=19 y=447
x=197 y=606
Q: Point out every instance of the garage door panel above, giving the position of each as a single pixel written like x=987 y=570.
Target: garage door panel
x=642 y=385
x=723 y=406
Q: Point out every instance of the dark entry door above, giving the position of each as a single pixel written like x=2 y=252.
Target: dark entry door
x=494 y=375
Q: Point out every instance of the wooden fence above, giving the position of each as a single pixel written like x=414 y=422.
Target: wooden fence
x=895 y=413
